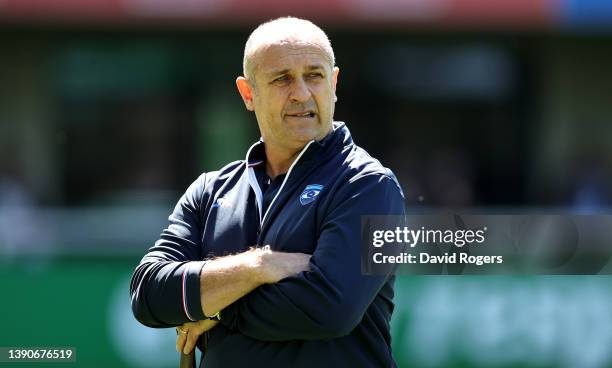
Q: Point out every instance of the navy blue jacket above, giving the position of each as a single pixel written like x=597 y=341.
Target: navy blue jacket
x=329 y=316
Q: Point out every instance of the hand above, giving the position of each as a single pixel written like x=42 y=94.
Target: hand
x=279 y=265
x=185 y=342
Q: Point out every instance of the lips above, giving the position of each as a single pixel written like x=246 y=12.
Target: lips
x=302 y=114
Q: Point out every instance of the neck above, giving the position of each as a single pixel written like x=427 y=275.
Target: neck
x=278 y=160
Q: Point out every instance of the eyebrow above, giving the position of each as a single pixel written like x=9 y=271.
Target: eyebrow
x=311 y=67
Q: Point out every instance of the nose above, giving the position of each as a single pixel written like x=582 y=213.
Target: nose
x=299 y=91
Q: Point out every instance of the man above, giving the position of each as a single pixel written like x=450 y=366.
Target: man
x=261 y=260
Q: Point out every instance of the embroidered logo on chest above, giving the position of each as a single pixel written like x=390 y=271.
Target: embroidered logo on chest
x=310 y=193
x=222 y=202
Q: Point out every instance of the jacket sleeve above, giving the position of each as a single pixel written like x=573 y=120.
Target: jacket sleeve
x=165 y=287
x=330 y=299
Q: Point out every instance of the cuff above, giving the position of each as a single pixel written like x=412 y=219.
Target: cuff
x=191 y=301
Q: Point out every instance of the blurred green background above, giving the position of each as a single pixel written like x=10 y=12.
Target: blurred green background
x=107 y=114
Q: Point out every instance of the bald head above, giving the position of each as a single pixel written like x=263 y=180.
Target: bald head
x=281 y=31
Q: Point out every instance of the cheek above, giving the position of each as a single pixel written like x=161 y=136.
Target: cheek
x=265 y=103
x=324 y=91
x=324 y=98
x=276 y=104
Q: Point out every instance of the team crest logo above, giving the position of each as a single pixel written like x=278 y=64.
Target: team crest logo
x=222 y=202
x=310 y=193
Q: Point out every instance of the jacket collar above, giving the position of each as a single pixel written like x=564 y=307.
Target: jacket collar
x=333 y=142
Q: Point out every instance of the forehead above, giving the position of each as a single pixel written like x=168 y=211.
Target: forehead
x=293 y=56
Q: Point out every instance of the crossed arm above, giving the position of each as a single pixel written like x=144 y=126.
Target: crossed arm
x=327 y=302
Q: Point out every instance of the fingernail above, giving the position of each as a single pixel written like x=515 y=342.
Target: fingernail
x=185 y=351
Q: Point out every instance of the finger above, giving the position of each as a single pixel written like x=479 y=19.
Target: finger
x=190 y=342
x=180 y=341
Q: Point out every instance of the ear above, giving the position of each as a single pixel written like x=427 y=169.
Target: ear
x=335 y=81
x=246 y=92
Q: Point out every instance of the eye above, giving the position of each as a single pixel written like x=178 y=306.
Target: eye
x=315 y=75
x=281 y=79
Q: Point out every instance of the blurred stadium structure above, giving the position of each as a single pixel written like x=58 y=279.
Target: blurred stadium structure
x=110 y=108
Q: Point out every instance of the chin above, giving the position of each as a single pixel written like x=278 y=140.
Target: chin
x=307 y=135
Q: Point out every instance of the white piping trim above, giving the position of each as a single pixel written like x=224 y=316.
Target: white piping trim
x=253 y=182
x=184 y=292
x=285 y=180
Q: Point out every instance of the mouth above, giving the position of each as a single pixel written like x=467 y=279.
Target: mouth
x=302 y=115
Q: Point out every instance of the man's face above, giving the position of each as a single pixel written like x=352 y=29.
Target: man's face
x=293 y=94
